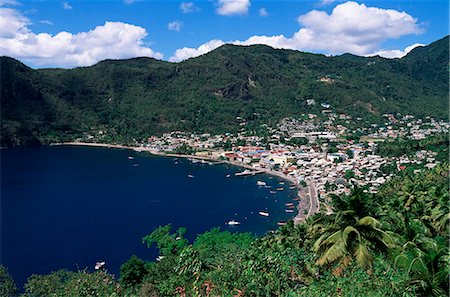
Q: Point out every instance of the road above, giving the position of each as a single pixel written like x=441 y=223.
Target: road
x=314 y=205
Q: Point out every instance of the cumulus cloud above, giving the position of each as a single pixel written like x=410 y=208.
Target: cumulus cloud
x=351 y=27
x=391 y=54
x=114 y=40
x=233 y=7
x=263 y=12
x=175 y=25
x=67 y=6
x=187 y=52
x=188 y=7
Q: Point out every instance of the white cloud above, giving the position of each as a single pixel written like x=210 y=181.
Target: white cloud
x=46 y=22
x=263 y=12
x=187 y=52
x=175 y=25
x=351 y=27
x=188 y=7
x=391 y=54
x=233 y=7
x=67 y=6
x=113 y=40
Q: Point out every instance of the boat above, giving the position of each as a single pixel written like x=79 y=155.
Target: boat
x=281 y=223
x=289 y=210
x=263 y=213
x=296 y=198
x=228 y=175
x=289 y=204
x=190 y=176
x=261 y=183
x=281 y=182
x=233 y=223
x=99 y=265
x=292 y=187
x=245 y=172
x=280 y=189
x=273 y=192
x=130 y=158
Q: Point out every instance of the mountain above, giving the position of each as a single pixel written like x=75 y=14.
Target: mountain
x=142 y=96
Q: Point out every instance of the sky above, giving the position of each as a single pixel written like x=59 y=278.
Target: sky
x=73 y=33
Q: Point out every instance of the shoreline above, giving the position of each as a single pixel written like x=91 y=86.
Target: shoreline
x=303 y=212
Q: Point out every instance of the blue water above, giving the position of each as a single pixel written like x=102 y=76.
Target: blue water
x=69 y=207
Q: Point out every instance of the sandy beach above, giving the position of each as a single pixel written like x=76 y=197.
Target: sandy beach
x=303 y=207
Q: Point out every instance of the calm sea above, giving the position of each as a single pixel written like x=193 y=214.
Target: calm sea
x=69 y=207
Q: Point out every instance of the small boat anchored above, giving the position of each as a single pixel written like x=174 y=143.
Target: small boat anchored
x=263 y=213
x=261 y=183
x=99 y=265
x=233 y=223
x=190 y=176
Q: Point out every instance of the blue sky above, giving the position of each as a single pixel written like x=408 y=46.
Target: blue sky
x=81 y=33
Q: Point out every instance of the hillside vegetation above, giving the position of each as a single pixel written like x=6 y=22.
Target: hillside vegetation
x=138 y=97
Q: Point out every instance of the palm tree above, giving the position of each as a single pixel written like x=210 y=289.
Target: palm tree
x=427 y=262
x=350 y=232
x=352 y=241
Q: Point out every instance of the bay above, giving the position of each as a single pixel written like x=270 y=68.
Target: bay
x=69 y=207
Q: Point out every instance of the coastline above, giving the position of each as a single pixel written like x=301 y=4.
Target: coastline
x=303 y=210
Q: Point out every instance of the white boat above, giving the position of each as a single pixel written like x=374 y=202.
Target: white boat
x=245 y=172
x=261 y=183
x=289 y=210
x=130 y=158
x=263 y=213
x=190 y=176
x=280 y=189
x=233 y=223
x=228 y=175
x=99 y=265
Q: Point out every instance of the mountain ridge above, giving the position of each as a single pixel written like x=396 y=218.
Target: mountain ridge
x=136 y=97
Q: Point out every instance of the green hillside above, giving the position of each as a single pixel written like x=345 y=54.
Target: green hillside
x=138 y=97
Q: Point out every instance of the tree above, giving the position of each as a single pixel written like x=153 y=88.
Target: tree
x=167 y=243
x=132 y=272
x=349 y=174
x=350 y=231
x=7 y=286
x=352 y=241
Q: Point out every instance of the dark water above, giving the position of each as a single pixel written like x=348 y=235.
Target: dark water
x=68 y=207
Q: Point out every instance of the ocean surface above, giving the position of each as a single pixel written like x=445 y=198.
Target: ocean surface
x=69 y=207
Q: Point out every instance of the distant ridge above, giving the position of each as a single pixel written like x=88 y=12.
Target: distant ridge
x=141 y=96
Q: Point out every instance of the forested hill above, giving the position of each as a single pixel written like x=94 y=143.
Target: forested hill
x=138 y=97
